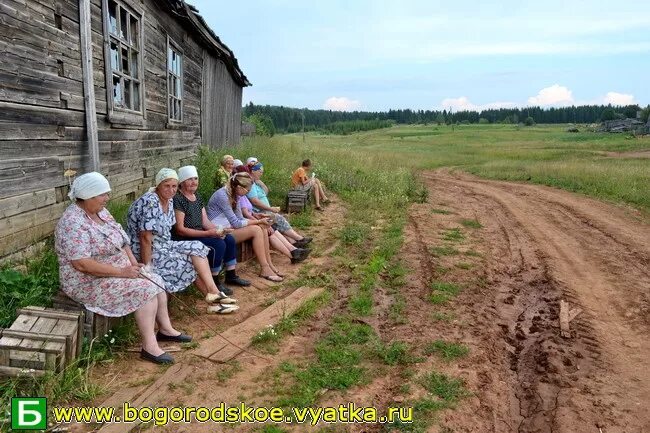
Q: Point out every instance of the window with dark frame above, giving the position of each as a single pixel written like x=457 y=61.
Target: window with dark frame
x=124 y=29
x=174 y=82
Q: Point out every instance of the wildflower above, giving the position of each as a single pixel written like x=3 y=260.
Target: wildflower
x=112 y=340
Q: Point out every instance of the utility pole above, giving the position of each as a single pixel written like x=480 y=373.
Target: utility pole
x=302 y=114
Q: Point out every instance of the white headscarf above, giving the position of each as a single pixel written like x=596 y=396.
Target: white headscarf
x=163 y=175
x=251 y=160
x=236 y=163
x=187 y=172
x=89 y=185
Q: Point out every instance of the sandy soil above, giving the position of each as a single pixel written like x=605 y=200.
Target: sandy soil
x=541 y=245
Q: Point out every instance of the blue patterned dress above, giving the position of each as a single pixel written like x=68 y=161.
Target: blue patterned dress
x=172 y=260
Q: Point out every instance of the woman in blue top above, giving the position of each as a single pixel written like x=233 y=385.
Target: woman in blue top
x=258 y=197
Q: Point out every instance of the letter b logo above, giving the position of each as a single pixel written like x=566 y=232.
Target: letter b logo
x=29 y=413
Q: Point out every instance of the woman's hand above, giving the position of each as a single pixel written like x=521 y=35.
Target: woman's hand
x=275 y=209
x=130 y=271
x=218 y=233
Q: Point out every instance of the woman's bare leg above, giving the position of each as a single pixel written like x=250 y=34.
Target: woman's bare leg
x=276 y=242
x=145 y=319
x=292 y=234
x=204 y=280
x=162 y=316
x=260 y=245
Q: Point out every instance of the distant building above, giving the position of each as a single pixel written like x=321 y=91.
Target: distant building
x=123 y=87
x=622 y=125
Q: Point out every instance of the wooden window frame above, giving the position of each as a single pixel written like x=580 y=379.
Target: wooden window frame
x=117 y=114
x=171 y=45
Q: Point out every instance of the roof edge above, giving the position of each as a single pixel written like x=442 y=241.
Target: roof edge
x=190 y=14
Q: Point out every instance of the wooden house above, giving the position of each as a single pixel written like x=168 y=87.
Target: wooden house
x=123 y=87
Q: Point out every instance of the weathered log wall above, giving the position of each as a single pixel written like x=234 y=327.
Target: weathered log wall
x=42 y=120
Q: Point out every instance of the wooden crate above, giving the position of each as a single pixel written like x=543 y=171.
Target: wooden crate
x=41 y=339
x=94 y=325
x=245 y=251
x=297 y=200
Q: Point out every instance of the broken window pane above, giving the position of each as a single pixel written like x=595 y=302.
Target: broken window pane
x=115 y=63
x=124 y=24
x=117 y=92
x=112 y=17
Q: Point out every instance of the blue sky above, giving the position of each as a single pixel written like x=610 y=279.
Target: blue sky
x=377 y=55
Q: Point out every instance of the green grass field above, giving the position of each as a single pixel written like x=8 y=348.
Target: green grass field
x=543 y=154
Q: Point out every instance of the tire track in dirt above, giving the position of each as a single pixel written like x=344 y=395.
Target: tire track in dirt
x=546 y=245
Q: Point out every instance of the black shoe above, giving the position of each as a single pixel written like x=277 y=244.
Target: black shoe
x=302 y=243
x=180 y=338
x=237 y=281
x=222 y=287
x=299 y=254
x=164 y=358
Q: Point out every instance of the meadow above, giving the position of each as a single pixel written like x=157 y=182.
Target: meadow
x=542 y=154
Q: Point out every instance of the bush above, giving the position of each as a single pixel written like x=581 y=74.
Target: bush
x=483 y=121
x=529 y=121
x=263 y=124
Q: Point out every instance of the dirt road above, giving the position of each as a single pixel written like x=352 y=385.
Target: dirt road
x=541 y=245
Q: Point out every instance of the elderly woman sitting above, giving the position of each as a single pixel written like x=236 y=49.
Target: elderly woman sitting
x=225 y=170
x=192 y=223
x=179 y=263
x=260 y=201
x=224 y=209
x=276 y=239
x=98 y=269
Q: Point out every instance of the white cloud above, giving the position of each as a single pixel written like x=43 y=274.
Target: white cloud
x=464 y=104
x=618 y=99
x=341 y=104
x=555 y=95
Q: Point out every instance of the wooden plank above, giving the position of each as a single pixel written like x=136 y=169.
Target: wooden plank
x=151 y=395
x=88 y=84
x=25 y=202
x=566 y=316
x=12 y=242
x=22 y=176
x=34 y=336
x=13 y=112
x=28 y=131
x=18 y=372
x=26 y=220
x=240 y=336
x=42 y=312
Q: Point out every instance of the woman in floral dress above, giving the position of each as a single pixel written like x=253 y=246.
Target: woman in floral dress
x=179 y=263
x=98 y=269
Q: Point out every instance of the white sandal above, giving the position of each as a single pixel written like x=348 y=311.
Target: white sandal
x=222 y=309
x=220 y=297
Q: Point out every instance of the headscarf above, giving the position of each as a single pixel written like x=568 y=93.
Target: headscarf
x=89 y=185
x=187 y=172
x=163 y=175
x=236 y=163
x=251 y=161
x=257 y=167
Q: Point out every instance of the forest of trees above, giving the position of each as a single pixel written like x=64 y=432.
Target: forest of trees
x=289 y=120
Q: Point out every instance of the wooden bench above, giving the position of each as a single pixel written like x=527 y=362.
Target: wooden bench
x=94 y=325
x=245 y=251
x=297 y=200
